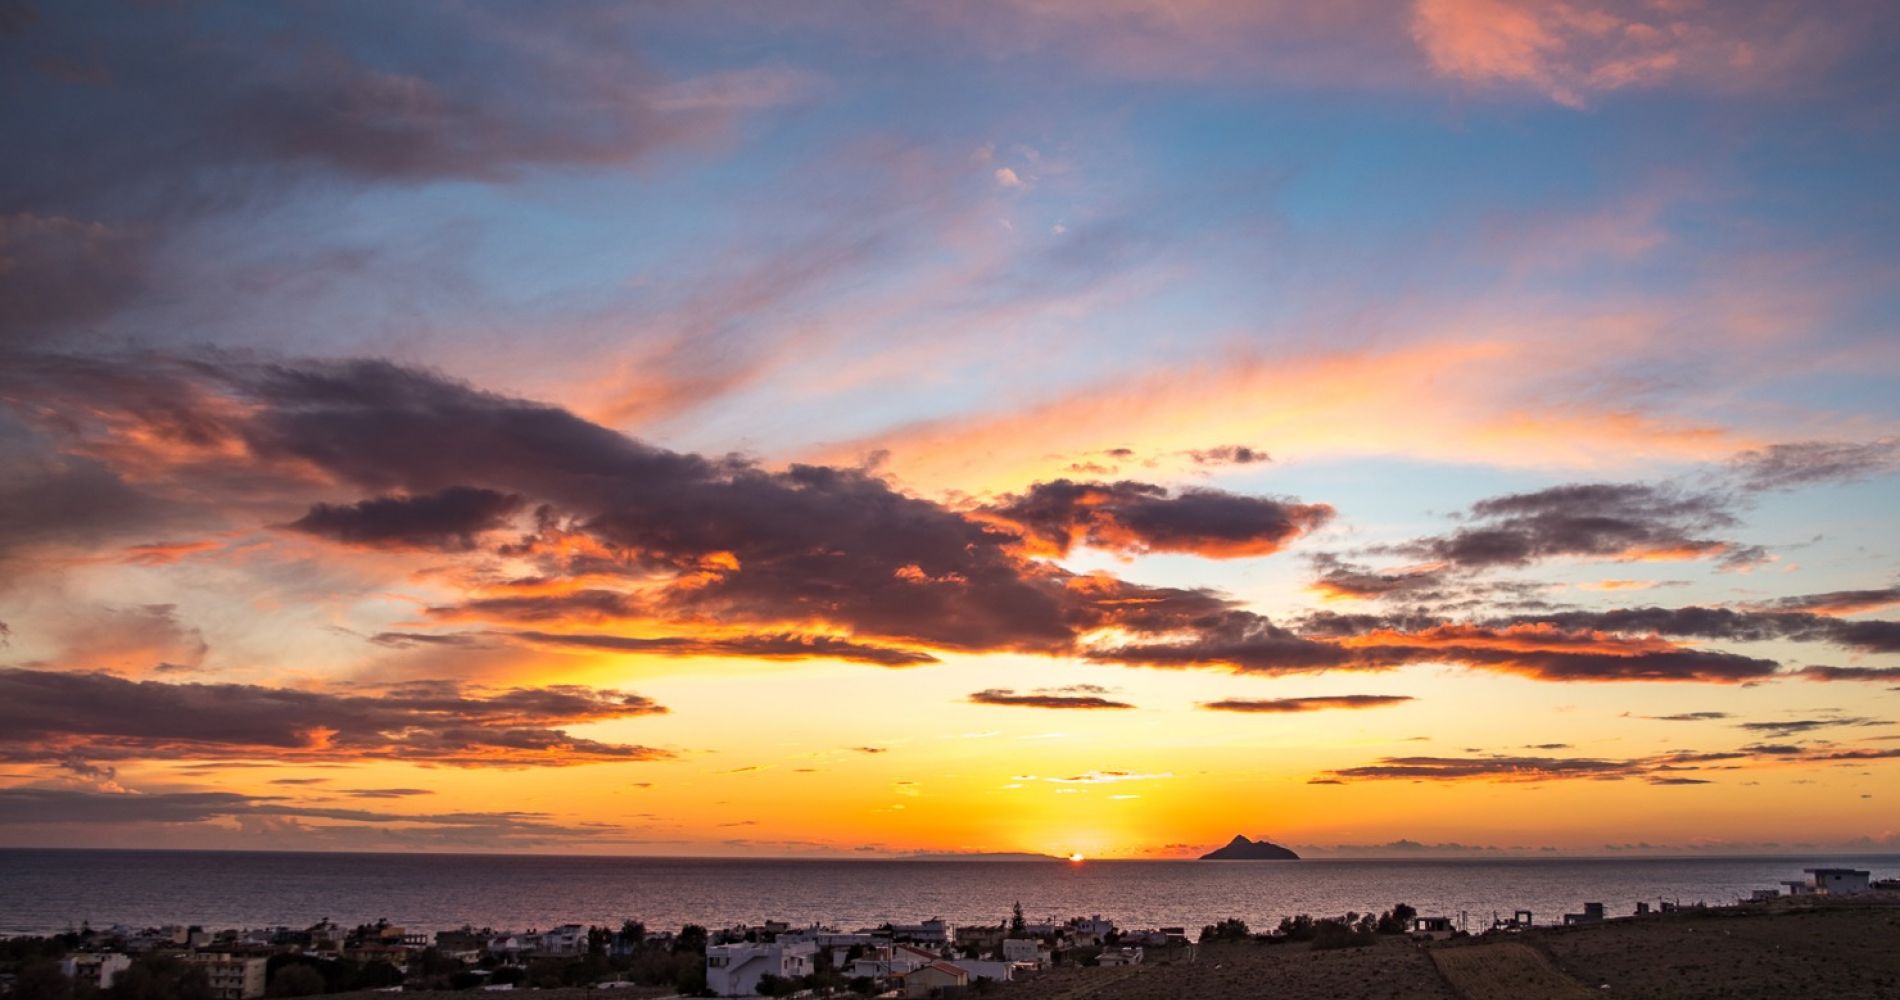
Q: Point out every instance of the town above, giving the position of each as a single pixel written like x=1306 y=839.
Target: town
x=931 y=958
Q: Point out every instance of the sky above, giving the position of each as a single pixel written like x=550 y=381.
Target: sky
x=863 y=429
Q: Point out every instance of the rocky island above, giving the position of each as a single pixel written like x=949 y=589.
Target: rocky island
x=1242 y=849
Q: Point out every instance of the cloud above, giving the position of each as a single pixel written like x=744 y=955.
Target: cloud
x=1229 y=454
x=1249 y=643
x=765 y=647
x=1281 y=705
x=1824 y=673
x=1133 y=518
x=1617 y=521
x=1688 y=717
x=1661 y=769
x=448 y=520
x=1077 y=696
x=45 y=715
x=1725 y=623
x=1806 y=463
x=197 y=813
x=1574 y=50
x=1837 y=602
x=1792 y=726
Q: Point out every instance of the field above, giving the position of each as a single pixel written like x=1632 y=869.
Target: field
x=1505 y=970
x=1832 y=952
x=1836 y=953
x=1389 y=970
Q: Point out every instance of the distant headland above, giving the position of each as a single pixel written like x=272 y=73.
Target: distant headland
x=978 y=856
x=1242 y=849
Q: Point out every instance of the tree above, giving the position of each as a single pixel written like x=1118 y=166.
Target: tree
x=692 y=937
x=1230 y=929
x=42 y=980
x=298 y=980
x=1017 y=925
x=160 y=977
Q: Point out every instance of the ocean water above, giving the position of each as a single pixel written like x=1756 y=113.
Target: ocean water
x=48 y=890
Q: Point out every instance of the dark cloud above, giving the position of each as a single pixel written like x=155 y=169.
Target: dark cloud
x=1727 y=624
x=1239 y=640
x=1806 y=463
x=61 y=807
x=384 y=793
x=1837 y=602
x=1337 y=577
x=45 y=715
x=1078 y=696
x=1824 y=673
x=1500 y=768
x=1620 y=521
x=1281 y=705
x=1231 y=454
x=1687 y=717
x=686 y=537
x=1791 y=726
x=1130 y=517
x=1657 y=779
x=449 y=520
x=767 y=647
x=1249 y=643
x=58 y=273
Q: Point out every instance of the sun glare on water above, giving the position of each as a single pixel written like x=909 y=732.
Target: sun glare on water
x=1077 y=857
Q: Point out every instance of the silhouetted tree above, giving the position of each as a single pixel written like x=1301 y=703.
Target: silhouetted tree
x=297 y=980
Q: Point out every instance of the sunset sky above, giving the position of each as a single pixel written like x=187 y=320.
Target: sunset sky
x=858 y=429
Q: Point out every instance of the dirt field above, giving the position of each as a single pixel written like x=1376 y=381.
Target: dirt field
x=1837 y=954
x=1506 y=970
x=1389 y=970
x=1834 y=953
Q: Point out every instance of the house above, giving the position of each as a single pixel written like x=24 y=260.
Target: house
x=934 y=978
x=1025 y=950
x=1592 y=914
x=1520 y=921
x=232 y=977
x=734 y=970
x=1839 y=881
x=1097 y=926
x=1114 y=957
x=983 y=968
x=96 y=970
x=567 y=939
x=933 y=932
x=1431 y=928
x=982 y=939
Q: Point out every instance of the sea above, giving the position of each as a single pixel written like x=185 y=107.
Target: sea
x=48 y=890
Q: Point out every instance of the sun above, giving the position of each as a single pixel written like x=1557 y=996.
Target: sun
x=1077 y=857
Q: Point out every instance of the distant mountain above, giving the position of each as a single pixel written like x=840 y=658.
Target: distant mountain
x=1242 y=849
x=979 y=856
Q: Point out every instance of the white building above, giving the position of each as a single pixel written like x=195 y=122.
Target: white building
x=567 y=939
x=978 y=968
x=734 y=970
x=1025 y=950
x=232 y=977
x=933 y=932
x=1838 y=881
x=932 y=978
x=95 y=969
x=1111 y=957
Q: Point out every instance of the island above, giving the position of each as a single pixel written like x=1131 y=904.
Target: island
x=1242 y=849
